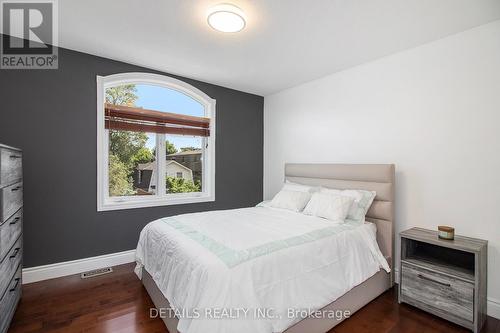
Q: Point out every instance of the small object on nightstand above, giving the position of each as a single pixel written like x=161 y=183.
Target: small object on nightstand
x=445 y=232
x=444 y=277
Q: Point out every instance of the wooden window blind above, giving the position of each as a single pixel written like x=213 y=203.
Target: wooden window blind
x=126 y=118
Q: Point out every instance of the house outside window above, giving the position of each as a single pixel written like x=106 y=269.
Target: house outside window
x=156 y=142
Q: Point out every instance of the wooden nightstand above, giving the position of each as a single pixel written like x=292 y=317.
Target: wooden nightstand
x=444 y=277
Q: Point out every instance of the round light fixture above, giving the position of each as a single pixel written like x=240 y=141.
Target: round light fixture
x=226 y=18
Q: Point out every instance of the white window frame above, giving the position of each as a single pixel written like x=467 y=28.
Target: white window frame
x=161 y=198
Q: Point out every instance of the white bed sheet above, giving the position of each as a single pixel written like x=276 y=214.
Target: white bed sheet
x=247 y=270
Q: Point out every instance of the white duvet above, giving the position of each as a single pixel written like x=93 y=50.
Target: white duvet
x=250 y=269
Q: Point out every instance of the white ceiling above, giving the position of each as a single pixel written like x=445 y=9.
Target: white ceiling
x=285 y=43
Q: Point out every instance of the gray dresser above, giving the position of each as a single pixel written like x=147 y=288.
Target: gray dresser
x=11 y=221
x=445 y=277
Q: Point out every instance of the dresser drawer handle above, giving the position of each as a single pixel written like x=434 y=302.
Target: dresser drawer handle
x=15 y=188
x=15 y=156
x=15 y=286
x=15 y=220
x=16 y=251
x=435 y=281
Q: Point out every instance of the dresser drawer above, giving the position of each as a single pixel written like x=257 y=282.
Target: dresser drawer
x=10 y=263
x=10 y=166
x=10 y=231
x=437 y=291
x=9 y=300
x=11 y=199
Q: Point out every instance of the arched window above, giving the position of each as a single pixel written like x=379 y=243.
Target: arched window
x=150 y=130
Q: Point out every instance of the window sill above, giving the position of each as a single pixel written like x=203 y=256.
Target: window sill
x=135 y=202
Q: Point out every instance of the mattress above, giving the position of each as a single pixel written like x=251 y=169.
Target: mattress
x=257 y=270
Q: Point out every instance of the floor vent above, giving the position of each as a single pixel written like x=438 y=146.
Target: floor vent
x=96 y=272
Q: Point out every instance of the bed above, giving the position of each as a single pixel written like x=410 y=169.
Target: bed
x=268 y=276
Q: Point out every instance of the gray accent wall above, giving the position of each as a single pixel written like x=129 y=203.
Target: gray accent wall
x=51 y=115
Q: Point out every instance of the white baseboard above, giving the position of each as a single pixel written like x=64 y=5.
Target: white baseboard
x=492 y=303
x=45 y=272
x=494 y=307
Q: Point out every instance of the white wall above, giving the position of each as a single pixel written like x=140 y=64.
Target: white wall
x=434 y=111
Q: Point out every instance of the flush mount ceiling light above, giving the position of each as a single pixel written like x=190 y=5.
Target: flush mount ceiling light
x=226 y=18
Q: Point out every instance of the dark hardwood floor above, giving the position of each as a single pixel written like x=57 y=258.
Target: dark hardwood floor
x=118 y=303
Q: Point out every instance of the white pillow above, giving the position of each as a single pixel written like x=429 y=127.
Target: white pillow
x=362 y=202
x=291 y=200
x=329 y=206
x=290 y=186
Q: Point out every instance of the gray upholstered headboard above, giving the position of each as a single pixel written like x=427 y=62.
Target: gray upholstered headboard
x=374 y=177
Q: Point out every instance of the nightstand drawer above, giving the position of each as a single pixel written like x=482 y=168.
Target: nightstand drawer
x=441 y=293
